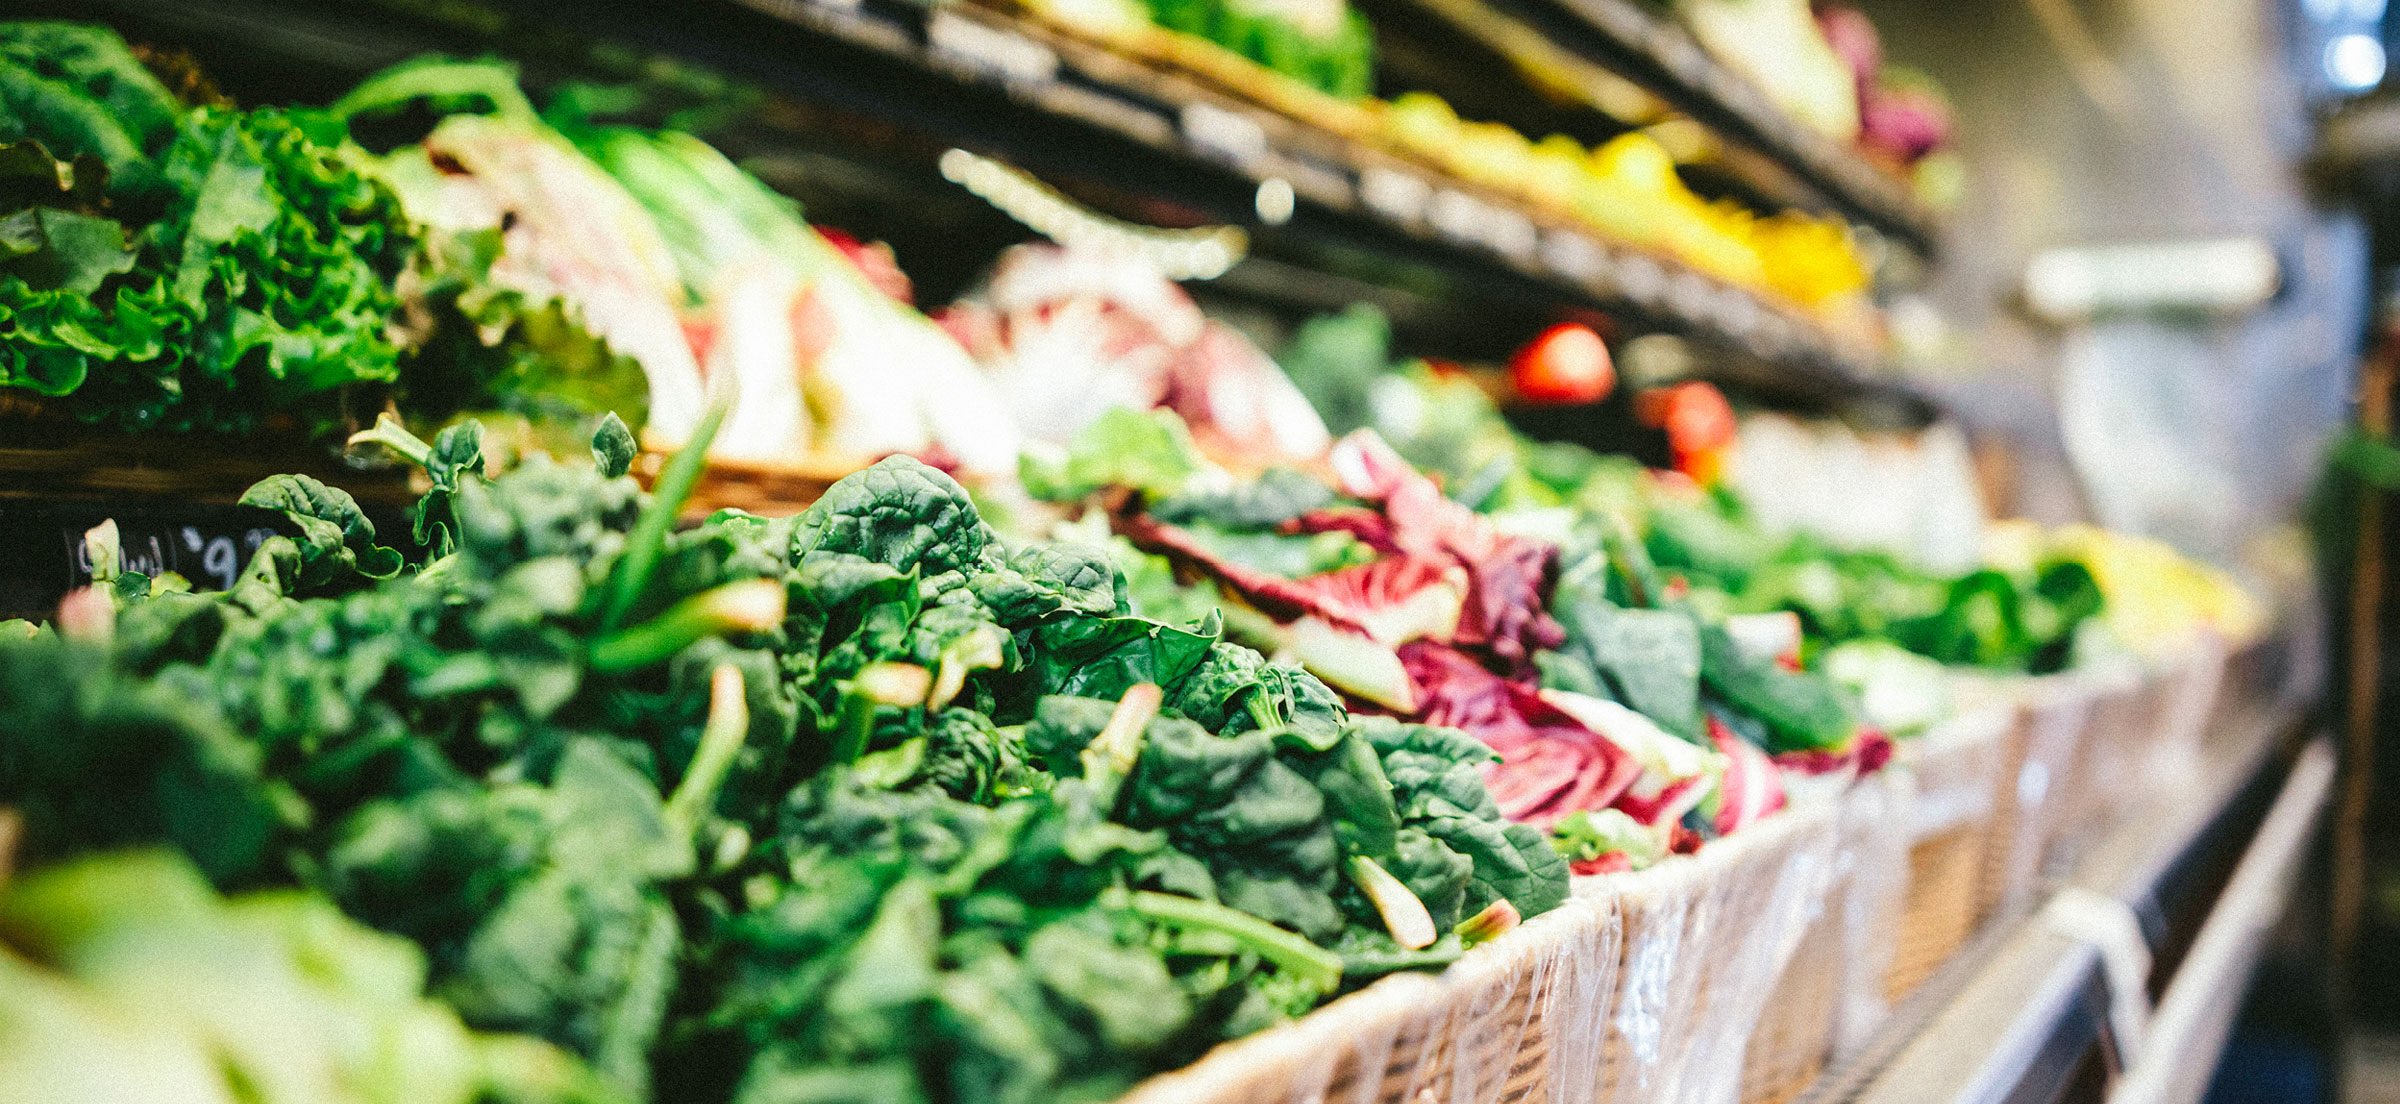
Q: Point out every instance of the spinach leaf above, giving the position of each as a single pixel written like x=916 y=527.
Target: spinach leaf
x=1648 y=659
x=1801 y=711
x=337 y=542
x=1438 y=787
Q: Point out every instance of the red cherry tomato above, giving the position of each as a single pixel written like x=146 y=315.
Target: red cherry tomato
x=1567 y=365
x=1696 y=417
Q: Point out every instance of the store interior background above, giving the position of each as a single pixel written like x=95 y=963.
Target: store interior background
x=2101 y=122
x=2084 y=123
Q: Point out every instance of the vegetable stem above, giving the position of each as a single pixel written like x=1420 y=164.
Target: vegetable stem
x=1403 y=914
x=895 y=684
x=103 y=548
x=11 y=830
x=649 y=537
x=751 y=605
x=389 y=433
x=978 y=650
x=1497 y=919
x=1290 y=952
x=720 y=740
x=1110 y=757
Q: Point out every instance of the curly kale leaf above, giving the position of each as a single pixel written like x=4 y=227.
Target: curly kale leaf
x=264 y=278
x=55 y=249
x=78 y=87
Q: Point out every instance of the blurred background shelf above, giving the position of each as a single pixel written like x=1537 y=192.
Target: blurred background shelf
x=865 y=95
x=1659 y=55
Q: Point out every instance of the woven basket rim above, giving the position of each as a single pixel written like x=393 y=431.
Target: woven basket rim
x=1390 y=1003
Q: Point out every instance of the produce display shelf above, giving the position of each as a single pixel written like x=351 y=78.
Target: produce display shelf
x=2125 y=977
x=1180 y=144
x=1066 y=102
x=1659 y=54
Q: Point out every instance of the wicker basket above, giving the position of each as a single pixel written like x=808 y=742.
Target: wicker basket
x=1643 y=987
x=1705 y=943
x=2038 y=768
x=2109 y=761
x=1481 y=1033
x=1829 y=999
x=1961 y=770
x=2187 y=699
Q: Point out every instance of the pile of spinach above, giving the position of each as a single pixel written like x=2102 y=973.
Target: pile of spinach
x=862 y=804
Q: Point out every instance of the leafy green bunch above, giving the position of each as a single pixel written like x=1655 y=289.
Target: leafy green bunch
x=1632 y=638
x=181 y=268
x=2017 y=619
x=769 y=806
x=126 y=977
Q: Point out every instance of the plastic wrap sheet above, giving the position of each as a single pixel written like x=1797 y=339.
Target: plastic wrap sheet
x=1873 y=896
x=2142 y=737
x=1511 y=1022
x=2187 y=699
x=1705 y=941
x=1829 y=998
x=2112 y=761
x=2053 y=714
x=1961 y=768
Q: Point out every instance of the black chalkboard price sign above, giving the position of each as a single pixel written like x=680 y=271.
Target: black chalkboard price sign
x=42 y=544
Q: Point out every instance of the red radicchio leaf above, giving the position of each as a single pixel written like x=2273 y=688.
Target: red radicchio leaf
x=1865 y=754
x=1455 y=691
x=1752 y=788
x=1277 y=597
x=1665 y=807
x=1550 y=766
x=1371 y=528
x=1504 y=609
x=1540 y=780
x=1393 y=600
x=1504 y=602
x=1615 y=862
x=1683 y=841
